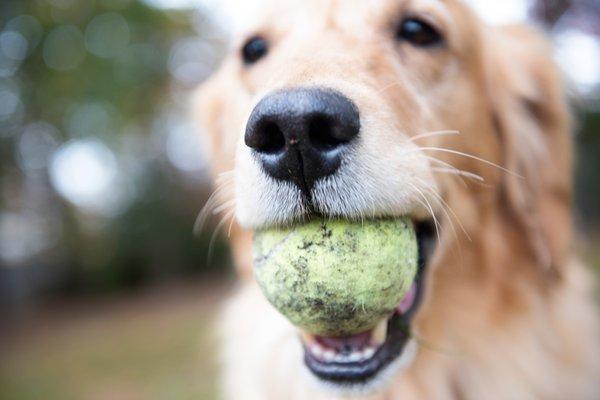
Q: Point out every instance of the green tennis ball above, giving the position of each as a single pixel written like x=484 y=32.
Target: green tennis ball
x=335 y=277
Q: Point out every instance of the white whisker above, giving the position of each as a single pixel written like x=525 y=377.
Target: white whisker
x=456 y=171
x=434 y=133
x=431 y=212
x=214 y=202
x=444 y=204
x=232 y=219
x=460 y=153
x=215 y=233
x=452 y=167
x=224 y=206
x=388 y=86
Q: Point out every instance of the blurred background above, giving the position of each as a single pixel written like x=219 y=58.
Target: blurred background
x=105 y=292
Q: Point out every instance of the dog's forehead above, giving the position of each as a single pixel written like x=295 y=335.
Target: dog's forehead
x=315 y=14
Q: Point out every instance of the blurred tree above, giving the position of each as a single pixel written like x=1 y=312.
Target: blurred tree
x=89 y=196
x=583 y=14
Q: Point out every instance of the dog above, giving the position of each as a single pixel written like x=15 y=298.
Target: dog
x=354 y=109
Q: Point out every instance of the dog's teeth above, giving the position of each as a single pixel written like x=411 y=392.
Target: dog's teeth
x=368 y=353
x=328 y=355
x=316 y=350
x=340 y=358
x=379 y=333
x=355 y=356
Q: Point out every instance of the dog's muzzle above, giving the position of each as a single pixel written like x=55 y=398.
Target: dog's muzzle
x=301 y=136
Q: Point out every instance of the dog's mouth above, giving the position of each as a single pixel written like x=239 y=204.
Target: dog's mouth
x=358 y=358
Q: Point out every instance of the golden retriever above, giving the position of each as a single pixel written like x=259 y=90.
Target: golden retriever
x=355 y=109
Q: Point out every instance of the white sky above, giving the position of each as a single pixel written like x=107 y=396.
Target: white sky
x=500 y=11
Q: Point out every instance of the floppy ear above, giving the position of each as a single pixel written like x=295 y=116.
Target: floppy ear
x=208 y=105
x=532 y=119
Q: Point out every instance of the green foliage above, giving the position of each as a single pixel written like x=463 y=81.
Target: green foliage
x=99 y=69
x=588 y=170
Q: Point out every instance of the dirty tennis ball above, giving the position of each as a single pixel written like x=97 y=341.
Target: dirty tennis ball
x=336 y=277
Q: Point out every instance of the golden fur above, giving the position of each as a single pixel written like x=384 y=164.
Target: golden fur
x=508 y=312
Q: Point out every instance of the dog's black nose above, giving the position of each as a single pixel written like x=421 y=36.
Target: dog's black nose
x=299 y=134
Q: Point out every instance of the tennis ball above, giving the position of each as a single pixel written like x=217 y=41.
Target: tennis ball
x=336 y=277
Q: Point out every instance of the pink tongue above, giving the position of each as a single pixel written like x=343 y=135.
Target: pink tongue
x=408 y=300
x=342 y=344
x=362 y=340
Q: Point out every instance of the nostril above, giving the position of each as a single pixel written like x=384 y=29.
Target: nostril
x=321 y=134
x=270 y=139
x=299 y=135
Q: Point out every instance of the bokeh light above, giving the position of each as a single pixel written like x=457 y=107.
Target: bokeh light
x=22 y=236
x=35 y=147
x=107 y=35
x=192 y=60
x=93 y=118
x=172 y=4
x=84 y=172
x=28 y=27
x=12 y=109
x=13 y=45
x=184 y=148
x=501 y=12
x=63 y=48
x=9 y=100
x=579 y=56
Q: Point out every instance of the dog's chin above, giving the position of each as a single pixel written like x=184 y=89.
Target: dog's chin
x=365 y=362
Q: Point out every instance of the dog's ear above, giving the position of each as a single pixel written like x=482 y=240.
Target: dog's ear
x=209 y=104
x=532 y=118
x=206 y=108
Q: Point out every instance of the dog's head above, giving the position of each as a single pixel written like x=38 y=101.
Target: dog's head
x=359 y=109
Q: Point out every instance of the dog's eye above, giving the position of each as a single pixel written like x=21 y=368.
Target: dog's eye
x=254 y=49
x=418 y=33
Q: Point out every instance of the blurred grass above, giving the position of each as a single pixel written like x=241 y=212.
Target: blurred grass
x=155 y=345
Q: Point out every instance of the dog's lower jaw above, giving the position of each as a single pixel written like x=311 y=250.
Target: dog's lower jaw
x=263 y=357
x=372 y=386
